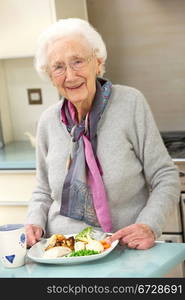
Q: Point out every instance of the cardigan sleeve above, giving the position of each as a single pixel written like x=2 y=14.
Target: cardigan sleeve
x=41 y=199
x=159 y=170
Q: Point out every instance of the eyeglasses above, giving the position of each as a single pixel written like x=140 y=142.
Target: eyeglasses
x=76 y=64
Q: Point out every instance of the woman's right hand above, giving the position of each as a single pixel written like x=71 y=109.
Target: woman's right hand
x=33 y=234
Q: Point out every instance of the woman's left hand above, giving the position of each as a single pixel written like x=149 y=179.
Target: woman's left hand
x=137 y=236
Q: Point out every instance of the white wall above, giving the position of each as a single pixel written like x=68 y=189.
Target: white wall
x=21 y=75
x=21 y=22
x=146 y=49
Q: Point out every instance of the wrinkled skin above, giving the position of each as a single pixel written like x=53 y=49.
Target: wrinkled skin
x=136 y=236
x=33 y=234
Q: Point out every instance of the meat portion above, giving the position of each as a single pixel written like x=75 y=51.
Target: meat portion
x=57 y=240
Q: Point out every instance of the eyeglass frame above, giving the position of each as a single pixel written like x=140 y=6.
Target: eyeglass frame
x=87 y=60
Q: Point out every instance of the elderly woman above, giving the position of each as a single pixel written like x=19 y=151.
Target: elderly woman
x=100 y=158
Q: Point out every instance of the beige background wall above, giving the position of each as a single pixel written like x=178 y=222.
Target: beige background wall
x=146 y=49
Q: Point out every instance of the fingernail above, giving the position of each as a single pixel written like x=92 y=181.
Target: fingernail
x=108 y=240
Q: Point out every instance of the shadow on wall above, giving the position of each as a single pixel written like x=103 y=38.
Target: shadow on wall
x=1 y=135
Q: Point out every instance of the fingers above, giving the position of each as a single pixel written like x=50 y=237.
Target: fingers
x=119 y=234
x=128 y=238
x=33 y=234
x=38 y=233
x=145 y=244
x=132 y=245
x=135 y=236
x=30 y=235
x=140 y=244
x=124 y=232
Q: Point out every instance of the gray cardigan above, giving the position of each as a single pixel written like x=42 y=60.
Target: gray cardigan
x=141 y=179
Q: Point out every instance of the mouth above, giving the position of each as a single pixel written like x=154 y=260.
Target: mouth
x=72 y=88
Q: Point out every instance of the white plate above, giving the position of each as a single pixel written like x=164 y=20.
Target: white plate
x=36 y=253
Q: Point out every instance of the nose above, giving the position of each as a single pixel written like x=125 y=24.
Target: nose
x=70 y=73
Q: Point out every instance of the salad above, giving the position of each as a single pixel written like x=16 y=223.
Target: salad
x=81 y=244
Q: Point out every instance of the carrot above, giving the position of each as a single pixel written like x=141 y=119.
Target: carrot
x=105 y=244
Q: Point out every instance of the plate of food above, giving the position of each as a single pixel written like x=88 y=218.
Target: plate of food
x=71 y=248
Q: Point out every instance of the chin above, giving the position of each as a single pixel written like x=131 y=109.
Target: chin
x=77 y=98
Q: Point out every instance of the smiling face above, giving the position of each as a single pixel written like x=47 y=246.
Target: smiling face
x=75 y=57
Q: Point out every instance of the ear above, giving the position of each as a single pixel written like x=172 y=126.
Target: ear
x=99 y=65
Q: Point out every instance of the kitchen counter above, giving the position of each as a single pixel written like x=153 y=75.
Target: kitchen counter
x=121 y=262
x=175 y=143
x=17 y=156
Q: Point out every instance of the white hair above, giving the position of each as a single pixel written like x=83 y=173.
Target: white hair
x=63 y=28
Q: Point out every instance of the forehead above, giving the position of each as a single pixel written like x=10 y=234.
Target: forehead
x=66 y=47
